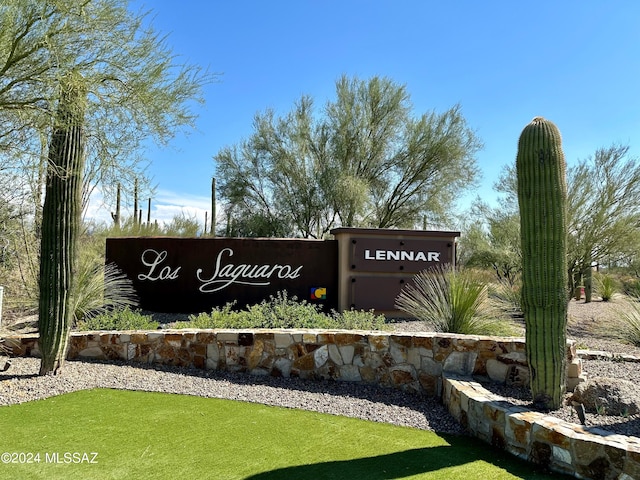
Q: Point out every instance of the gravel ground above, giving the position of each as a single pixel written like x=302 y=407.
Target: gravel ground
x=21 y=383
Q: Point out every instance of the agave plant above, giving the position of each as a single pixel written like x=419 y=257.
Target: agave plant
x=452 y=302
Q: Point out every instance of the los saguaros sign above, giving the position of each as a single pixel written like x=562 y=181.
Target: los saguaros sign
x=362 y=269
x=196 y=274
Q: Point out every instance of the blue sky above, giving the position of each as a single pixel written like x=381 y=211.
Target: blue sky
x=576 y=63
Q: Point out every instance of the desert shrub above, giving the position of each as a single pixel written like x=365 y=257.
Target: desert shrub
x=631 y=287
x=282 y=311
x=605 y=286
x=224 y=317
x=450 y=301
x=358 y=320
x=100 y=288
x=507 y=298
x=124 y=319
x=626 y=327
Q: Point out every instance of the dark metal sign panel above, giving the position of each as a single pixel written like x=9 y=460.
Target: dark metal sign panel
x=197 y=274
x=398 y=255
x=376 y=292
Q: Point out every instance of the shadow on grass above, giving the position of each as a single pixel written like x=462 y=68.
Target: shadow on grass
x=412 y=462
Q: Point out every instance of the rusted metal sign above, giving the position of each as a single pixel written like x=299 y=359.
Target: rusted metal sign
x=197 y=274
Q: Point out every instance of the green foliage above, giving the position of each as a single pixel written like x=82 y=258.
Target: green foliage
x=452 y=302
x=359 y=320
x=508 y=297
x=139 y=89
x=493 y=242
x=631 y=286
x=364 y=160
x=100 y=288
x=603 y=212
x=542 y=199
x=604 y=209
x=225 y=317
x=626 y=326
x=606 y=286
x=182 y=225
x=282 y=311
x=125 y=319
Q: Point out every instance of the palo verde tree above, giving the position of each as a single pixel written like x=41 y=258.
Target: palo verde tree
x=603 y=213
x=542 y=199
x=492 y=240
x=135 y=90
x=363 y=160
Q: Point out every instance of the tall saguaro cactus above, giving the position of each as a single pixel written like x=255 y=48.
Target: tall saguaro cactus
x=60 y=222
x=542 y=197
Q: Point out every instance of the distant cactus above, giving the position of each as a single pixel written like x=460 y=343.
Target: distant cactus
x=61 y=217
x=542 y=197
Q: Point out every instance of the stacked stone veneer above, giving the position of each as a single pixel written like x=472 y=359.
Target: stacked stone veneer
x=584 y=452
x=411 y=362
x=425 y=363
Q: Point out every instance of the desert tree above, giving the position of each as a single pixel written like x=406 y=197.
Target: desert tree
x=138 y=89
x=492 y=240
x=363 y=160
x=132 y=88
x=604 y=211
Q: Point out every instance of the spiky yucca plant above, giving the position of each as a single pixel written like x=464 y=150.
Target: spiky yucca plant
x=605 y=286
x=452 y=302
x=99 y=289
x=542 y=198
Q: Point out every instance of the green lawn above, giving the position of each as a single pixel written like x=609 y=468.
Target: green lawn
x=141 y=435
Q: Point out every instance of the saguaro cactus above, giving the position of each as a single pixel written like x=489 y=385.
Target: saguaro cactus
x=60 y=222
x=542 y=197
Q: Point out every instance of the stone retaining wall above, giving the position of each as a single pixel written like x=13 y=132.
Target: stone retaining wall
x=411 y=362
x=423 y=363
x=584 y=452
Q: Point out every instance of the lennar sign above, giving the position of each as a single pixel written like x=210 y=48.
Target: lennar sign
x=401 y=255
x=361 y=268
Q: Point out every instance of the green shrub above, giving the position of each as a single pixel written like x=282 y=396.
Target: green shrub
x=282 y=311
x=100 y=288
x=359 y=320
x=453 y=302
x=507 y=298
x=605 y=286
x=626 y=327
x=223 y=317
x=631 y=287
x=126 y=319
